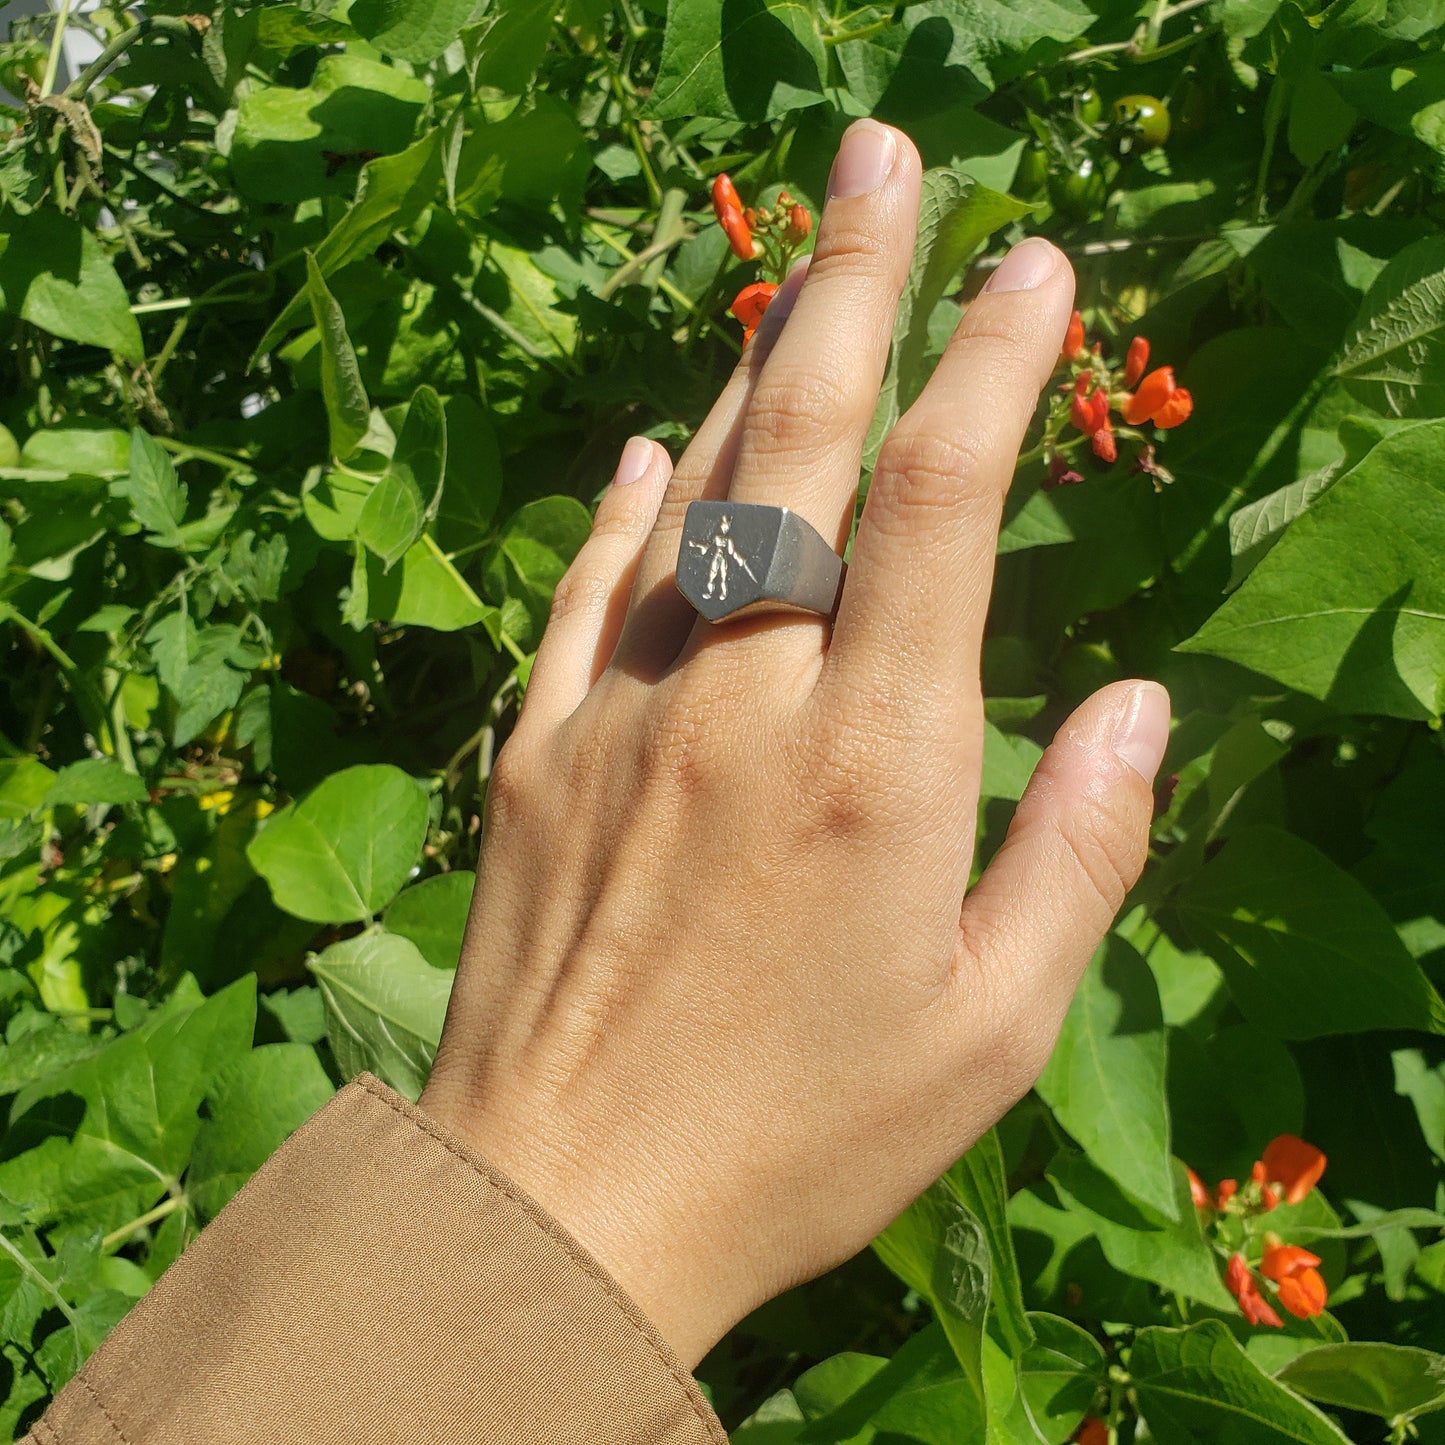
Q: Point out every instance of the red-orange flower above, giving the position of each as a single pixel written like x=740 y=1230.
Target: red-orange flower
x=1136 y=360
x=729 y=212
x=1294 y=1270
x=1074 y=338
x=1255 y=1308
x=1092 y=1432
x=1293 y=1164
x=750 y=303
x=725 y=196
x=1106 y=447
x=800 y=225
x=1228 y=1188
x=1091 y=413
x=1159 y=399
x=1199 y=1191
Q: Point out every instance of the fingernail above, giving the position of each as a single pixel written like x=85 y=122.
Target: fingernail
x=1143 y=731
x=1029 y=264
x=865 y=160
x=635 y=460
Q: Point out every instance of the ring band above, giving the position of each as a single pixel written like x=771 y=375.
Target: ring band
x=739 y=557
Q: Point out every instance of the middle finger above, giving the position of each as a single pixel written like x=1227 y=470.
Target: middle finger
x=807 y=419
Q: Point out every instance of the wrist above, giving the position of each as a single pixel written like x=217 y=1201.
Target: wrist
x=658 y=1267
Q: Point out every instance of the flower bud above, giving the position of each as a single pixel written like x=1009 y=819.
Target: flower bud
x=1136 y=361
x=724 y=196
x=1074 y=338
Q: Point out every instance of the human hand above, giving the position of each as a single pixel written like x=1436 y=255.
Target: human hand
x=724 y=1008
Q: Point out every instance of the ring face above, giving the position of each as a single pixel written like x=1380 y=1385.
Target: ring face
x=742 y=557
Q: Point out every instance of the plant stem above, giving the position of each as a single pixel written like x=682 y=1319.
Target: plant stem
x=152 y=1216
x=1143 y=44
x=863 y=32
x=46 y=1287
x=156 y=24
x=629 y=269
x=57 y=44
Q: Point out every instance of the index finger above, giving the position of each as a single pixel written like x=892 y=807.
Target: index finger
x=922 y=566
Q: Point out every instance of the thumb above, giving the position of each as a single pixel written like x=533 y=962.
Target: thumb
x=1076 y=847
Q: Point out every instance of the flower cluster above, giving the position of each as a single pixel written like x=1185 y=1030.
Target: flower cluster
x=1288 y=1171
x=770 y=235
x=1095 y=391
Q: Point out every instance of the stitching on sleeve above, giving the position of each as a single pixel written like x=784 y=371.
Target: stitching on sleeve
x=100 y=1405
x=554 y=1232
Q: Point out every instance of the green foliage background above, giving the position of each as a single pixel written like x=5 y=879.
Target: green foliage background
x=327 y=323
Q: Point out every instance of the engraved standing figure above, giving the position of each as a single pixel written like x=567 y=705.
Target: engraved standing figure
x=722 y=550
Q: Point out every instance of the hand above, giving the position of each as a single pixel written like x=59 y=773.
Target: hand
x=723 y=1007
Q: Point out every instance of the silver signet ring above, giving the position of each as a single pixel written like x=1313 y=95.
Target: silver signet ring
x=740 y=557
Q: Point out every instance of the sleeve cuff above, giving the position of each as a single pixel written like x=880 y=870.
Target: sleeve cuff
x=376 y=1280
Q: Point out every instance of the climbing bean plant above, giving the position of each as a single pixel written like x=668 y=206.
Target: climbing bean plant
x=325 y=324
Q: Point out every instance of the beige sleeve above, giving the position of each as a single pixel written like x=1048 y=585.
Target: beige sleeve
x=376 y=1281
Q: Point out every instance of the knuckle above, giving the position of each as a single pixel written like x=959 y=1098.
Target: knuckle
x=800 y=413
x=1104 y=848
x=508 y=786
x=927 y=467
x=848 y=254
x=682 y=749
x=838 y=776
x=581 y=590
x=1002 y=346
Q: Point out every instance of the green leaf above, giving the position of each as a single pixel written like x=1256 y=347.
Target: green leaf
x=1198 y=1385
x=1174 y=1255
x=507 y=45
x=1254 y=529
x=749 y=60
x=1349 y=605
x=1394 y=360
x=286 y=141
x=938 y=1247
x=413 y=30
x=1425 y=1088
x=1059 y=1376
x=154 y=490
x=1406 y=96
x=95 y=781
x=1306 y=949
x=392 y=192
x=54 y=275
x=252 y=1108
x=400 y=506
x=347 y=409
x=425 y=590
x=79 y=450
x=213 y=668
x=1105 y=1081
x=919 y=1396
x=535 y=548
x=343 y=852
x=473 y=485
x=956 y=50
x=385 y=1005
x=1008 y=763
x=954 y=1247
x=433 y=915
x=956 y=216
x=141 y=1094
x=1396 y=1381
